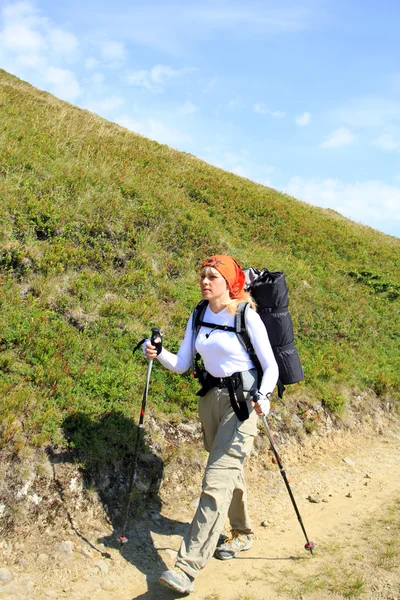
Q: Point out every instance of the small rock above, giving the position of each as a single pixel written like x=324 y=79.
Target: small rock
x=43 y=557
x=265 y=523
x=188 y=428
x=367 y=476
x=66 y=547
x=23 y=562
x=315 y=499
x=5 y=575
x=107 y=586
x=75 y=484
x=35 y=499
x=102 y=565
x=86 y=552
x=143 y=486
x=349 y=495
x=349 y=462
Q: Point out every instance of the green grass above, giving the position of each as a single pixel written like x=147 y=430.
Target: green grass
x=379 y=551
x=101 y=236
x=385 y=538
x=340 y=580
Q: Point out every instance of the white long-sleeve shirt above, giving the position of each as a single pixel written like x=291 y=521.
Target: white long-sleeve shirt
x=222 y=352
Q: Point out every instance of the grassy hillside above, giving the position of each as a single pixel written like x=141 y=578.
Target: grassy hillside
x=101 y=236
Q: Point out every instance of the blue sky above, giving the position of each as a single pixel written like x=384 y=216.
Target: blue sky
x=301 y=96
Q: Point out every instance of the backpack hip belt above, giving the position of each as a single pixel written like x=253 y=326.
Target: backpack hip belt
x=234 y=384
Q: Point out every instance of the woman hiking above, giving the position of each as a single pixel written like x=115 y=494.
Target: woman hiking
x=229 y=371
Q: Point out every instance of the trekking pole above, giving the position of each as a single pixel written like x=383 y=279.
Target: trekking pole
x=155 y=334
x=309 y=545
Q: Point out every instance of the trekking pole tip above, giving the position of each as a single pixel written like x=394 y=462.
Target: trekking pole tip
x=310 y=546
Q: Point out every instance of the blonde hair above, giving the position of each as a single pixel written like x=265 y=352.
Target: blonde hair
x=233 y=304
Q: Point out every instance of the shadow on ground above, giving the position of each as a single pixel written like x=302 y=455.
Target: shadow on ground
x=105 y=448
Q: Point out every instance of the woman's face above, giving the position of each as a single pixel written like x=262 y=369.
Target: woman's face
x=213 y=286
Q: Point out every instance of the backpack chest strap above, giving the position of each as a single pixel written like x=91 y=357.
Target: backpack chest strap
x=214 y=326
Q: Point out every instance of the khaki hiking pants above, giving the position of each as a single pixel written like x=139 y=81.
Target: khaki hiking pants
x=224 y=493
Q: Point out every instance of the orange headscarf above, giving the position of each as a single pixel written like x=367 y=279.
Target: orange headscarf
x=230 y=271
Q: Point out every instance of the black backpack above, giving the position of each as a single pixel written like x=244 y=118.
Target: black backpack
x=271 y=295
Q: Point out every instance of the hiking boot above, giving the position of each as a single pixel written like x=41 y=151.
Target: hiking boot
x=177 y=580
x=231 y=547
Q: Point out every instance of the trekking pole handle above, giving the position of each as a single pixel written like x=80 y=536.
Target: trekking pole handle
x=156 y=335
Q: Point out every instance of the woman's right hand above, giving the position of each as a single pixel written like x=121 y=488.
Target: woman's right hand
x=149 y=350
x=261 y=404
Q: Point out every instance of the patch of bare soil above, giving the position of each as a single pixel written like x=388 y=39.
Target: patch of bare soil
x=346 y=486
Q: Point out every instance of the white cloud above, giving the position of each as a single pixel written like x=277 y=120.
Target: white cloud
x=263 y=109
x=91 y=63
x=154 y=80
x=113 y=51
x=303 y=119
x=18 y=10
x=62 y=42
x=171 y=26
x=141 y=78
x=255 y=20
x=369 y=111
x=233 y=105
x=161 y=73
x=188 y=108
x=387 y=141
x=32 y=48
x=63 y=83
x=239 y=170
x=210 y=85
x=30 y=61
x=97 y=78
x=238 y=162
x=25 y=30
x=372 y=203
x=339 y=138
x=106 y=105
x=18 y=38
x=155 y=130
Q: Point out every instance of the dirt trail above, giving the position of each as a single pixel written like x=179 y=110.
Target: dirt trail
x=347 y=523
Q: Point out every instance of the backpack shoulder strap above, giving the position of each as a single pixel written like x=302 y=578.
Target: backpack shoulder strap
x=198 y=314
x=243 y=335
x=240 y=326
